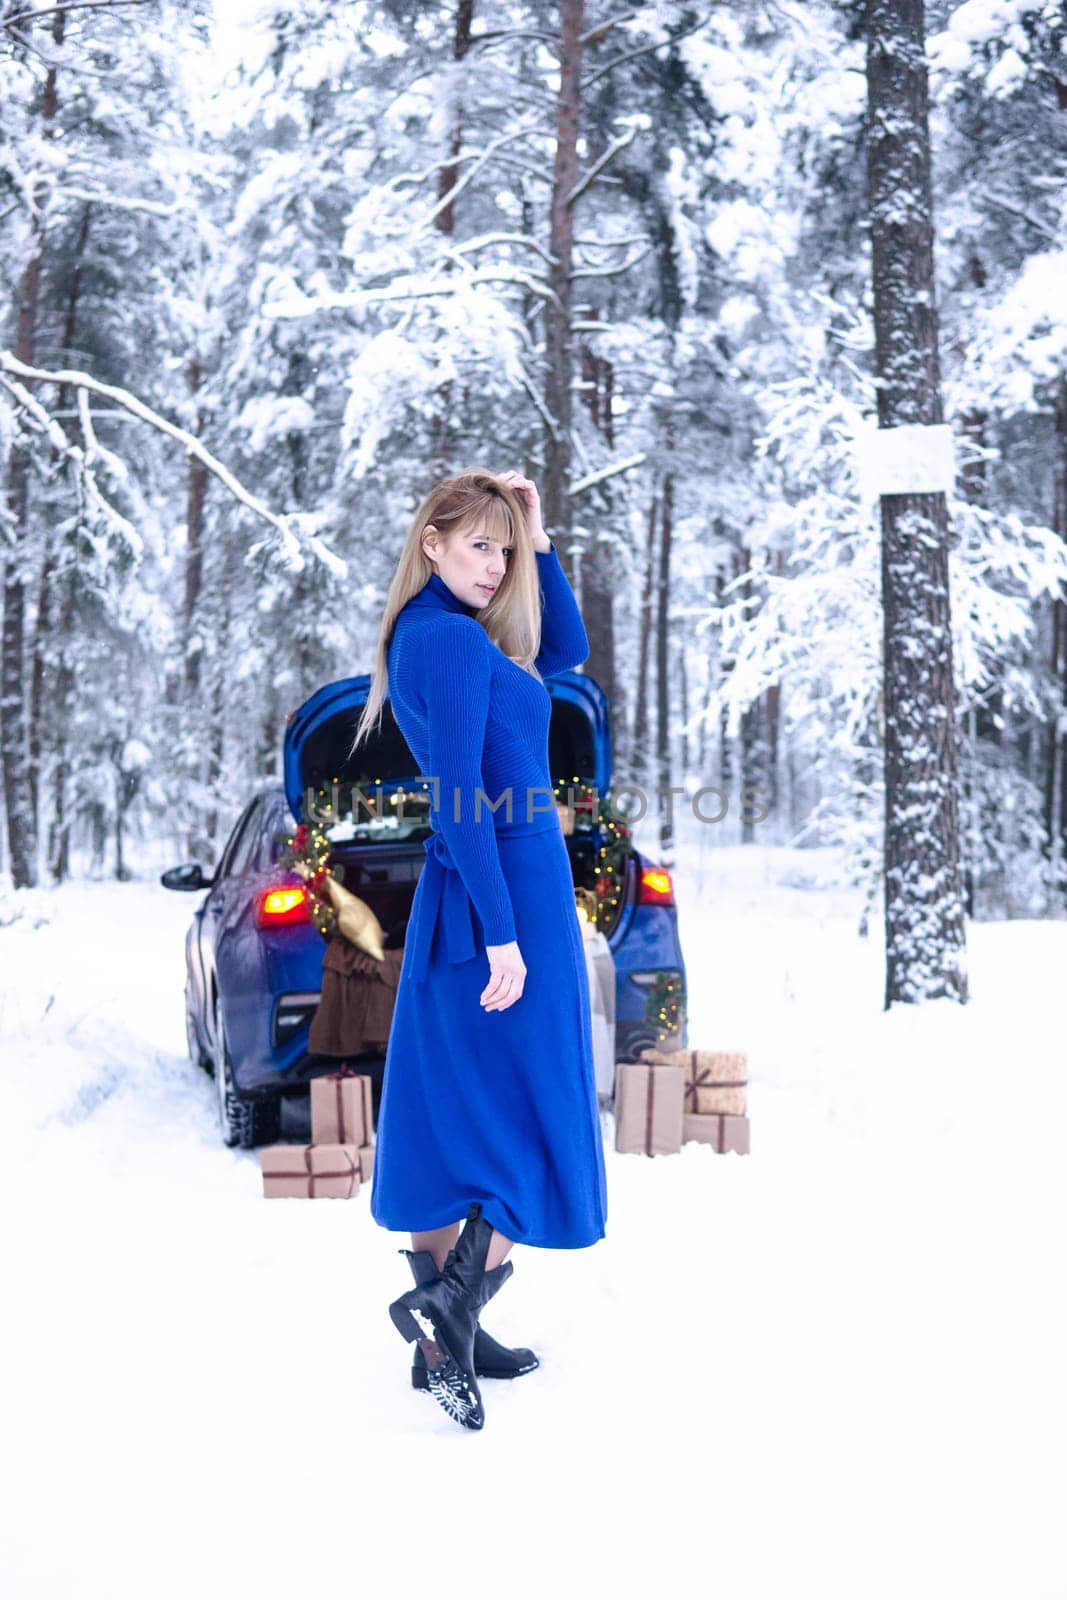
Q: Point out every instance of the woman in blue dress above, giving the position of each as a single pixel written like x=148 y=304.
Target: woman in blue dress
x=488 y=1112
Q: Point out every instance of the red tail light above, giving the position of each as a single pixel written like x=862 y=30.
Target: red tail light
x=282 y=905
x=654 y=888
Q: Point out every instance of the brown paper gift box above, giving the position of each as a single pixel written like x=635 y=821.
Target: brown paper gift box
x=310 y=1171
x=648 y=1108
x=721 y=1131
x=715 y=1080
x=342 y=1109
x=366 y=1162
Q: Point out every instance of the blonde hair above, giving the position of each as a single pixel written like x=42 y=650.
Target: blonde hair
x=512 y=617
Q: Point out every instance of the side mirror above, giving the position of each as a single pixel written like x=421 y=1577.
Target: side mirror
x=190 y=876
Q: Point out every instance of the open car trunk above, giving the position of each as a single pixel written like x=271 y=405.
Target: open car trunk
x=375 y=808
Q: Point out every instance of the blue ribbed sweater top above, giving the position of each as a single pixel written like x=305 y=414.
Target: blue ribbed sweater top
x=474 y=719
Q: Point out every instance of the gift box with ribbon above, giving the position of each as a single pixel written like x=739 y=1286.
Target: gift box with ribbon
x=342 y=1108
x=648 y=1108
x=715 y=1080
x=310 y=1171
x=722 y=1131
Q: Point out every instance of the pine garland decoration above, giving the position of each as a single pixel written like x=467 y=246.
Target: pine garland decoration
x=666 y=1006
x=593 y=814
x=306 y=853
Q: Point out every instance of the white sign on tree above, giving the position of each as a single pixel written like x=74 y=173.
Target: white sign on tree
x=915 y=458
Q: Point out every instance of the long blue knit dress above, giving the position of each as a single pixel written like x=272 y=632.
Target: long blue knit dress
x=494 y=1106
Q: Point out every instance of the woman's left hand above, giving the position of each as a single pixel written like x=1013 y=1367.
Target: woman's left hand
x=526 y=490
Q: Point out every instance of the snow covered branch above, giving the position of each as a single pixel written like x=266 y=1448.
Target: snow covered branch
x=81 y=460
x=461 y=183
x=612 y=272
x=598 y=166
x=602 y=29
x=610 y=471
x=155 y=208
x=462 y=247
x=1016 y=210
x=300 y=305
x=74 y=5
x=643 y=50
x=283 y=526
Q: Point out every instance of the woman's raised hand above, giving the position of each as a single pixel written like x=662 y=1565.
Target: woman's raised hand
x=526 y=491
x=507 y=977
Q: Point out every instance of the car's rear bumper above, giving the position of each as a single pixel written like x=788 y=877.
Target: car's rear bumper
x=281 y=1060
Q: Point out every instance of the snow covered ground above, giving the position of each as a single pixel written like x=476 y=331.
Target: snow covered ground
x=831 y=1368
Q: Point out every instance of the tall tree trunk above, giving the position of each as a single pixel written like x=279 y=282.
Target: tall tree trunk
x=268 y=756
x=195 y=495
x=664 y=801
x=773 y=724
x=598 y=583
x=772 y=701
x=710 y=666
x=989 y=712
x=208 y=835
x=924 y=928
x=49 y=645
x=1055 y=809
x=984 y=721
x=641 y=757
x=726 y=666
x=450 y=173
x=444 y=434
x=758 y=740
x=19 y=807
x=683 y=697
x=63 y=711
x=750 y=754
x=559 y=358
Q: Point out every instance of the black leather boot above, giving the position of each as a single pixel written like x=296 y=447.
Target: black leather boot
x=445 y=1310
x=491 y=1359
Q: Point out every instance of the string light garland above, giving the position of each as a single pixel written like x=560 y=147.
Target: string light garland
x=306 y=853
x=666 y=1006
x=611 y=839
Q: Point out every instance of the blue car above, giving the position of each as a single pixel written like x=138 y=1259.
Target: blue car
x=254 y=958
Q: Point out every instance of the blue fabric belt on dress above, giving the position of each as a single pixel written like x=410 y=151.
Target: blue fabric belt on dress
x=446 y=898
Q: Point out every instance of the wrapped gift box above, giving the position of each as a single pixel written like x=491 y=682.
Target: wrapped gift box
x=366 y=1162
x=715 y=1080
x=648 y=1108
x=310 y=1171
x=342 y=1109
x=722 y=1131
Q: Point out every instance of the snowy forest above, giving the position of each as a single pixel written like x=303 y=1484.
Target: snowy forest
x=271 y=270
x=768 y=299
